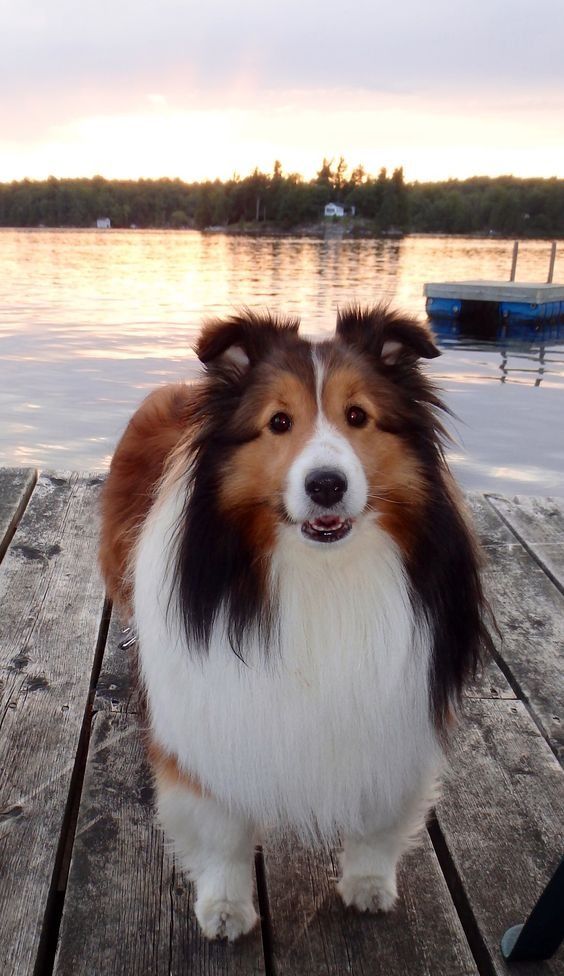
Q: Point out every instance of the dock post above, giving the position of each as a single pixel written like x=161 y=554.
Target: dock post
x=514 y=261
x=551 y=263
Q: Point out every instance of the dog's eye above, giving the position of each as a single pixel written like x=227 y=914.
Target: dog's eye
x=356 y=417
x=280 y=423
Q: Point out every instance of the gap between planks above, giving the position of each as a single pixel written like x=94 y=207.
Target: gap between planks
x=510 y=668
x=531 y=548
x=56 y=899
x=10 y=529
x=460 y=900
x=52 y=606
x=265 y=916
x=522 y=696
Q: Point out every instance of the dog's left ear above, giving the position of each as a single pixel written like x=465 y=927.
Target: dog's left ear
x=394 y=339
x=231 y=347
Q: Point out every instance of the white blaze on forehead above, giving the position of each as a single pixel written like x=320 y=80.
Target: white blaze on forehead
x=326 y=448
x=319 y=372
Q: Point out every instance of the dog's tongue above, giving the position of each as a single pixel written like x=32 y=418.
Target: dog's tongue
x=327 y=522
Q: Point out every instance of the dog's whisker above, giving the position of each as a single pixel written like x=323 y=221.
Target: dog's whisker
x=387 y=498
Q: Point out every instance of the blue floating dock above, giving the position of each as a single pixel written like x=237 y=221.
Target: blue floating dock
x=523 y=309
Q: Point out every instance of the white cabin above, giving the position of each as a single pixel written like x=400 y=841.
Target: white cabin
x=338 y=210
x=103 y=223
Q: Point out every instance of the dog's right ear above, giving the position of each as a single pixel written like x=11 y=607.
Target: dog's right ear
x=231 y=347
x=222 y=346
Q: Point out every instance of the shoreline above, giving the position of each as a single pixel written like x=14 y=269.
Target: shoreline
x=318 y=231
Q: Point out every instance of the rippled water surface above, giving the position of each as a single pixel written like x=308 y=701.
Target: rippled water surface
x=90 y=321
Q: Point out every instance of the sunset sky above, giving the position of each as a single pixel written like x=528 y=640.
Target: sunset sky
x=203 y=90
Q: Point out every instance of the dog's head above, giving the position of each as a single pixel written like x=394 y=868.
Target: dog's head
x=315 y=438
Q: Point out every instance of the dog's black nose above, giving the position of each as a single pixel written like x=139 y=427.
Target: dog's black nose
x=325 y=487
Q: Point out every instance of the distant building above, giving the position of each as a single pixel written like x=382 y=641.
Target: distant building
x=103 y=223
x=338 y=210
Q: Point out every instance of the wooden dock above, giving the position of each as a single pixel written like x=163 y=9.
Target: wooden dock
x=526 y=293
x=86 y=886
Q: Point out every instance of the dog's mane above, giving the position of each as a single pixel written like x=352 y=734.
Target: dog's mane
x=217 y=569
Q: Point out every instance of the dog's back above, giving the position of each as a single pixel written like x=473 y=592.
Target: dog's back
x=150 y=438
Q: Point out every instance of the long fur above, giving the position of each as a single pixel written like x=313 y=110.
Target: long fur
x=302 y=659
x=333 y=725
x=443 y=565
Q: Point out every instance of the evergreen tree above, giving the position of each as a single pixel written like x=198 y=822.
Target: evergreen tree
x=505 y=205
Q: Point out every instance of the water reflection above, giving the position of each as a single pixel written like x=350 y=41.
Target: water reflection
x=528 y=365
x=92 y=320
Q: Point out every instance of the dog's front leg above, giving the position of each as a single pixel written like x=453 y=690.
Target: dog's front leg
x=368 y=866
x=216 y=849
x=369 y=860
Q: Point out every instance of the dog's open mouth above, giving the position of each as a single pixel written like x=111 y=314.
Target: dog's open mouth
x=327 y=528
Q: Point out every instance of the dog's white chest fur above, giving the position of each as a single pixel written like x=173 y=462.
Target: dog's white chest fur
x=332 y=728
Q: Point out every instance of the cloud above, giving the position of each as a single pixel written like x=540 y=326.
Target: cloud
x=402 y=47
x=377 y=81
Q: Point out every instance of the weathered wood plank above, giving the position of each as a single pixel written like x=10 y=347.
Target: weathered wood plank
x=117 y=688
x=16 y=486
x=501 y=818
x=312 y=932
x=122 y=877
x=539 y=524
x=530 y=613
x=530 y=293
x=490 y=683
x=52 y=601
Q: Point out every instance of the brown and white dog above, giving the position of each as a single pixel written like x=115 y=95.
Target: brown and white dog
x=286 y=537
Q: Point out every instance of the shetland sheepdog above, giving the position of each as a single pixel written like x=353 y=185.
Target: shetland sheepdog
x=286 y=537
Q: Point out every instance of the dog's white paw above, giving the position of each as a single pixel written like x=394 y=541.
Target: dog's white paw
x=223 y=919
x=368 y=893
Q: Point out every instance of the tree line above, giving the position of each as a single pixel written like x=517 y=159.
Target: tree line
x=269 y=201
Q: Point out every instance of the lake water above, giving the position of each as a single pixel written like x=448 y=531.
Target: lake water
x=90 y=321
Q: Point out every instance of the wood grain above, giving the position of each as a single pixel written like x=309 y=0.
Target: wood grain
x=122 y=877
x=313 y=934
x=490 y=682
x=52 y=601
x=16 y=486
x=501 y=818
x=538 y=523
x=117 y=687
x=530 y=613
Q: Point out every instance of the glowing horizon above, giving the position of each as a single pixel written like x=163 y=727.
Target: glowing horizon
x=431 y=139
